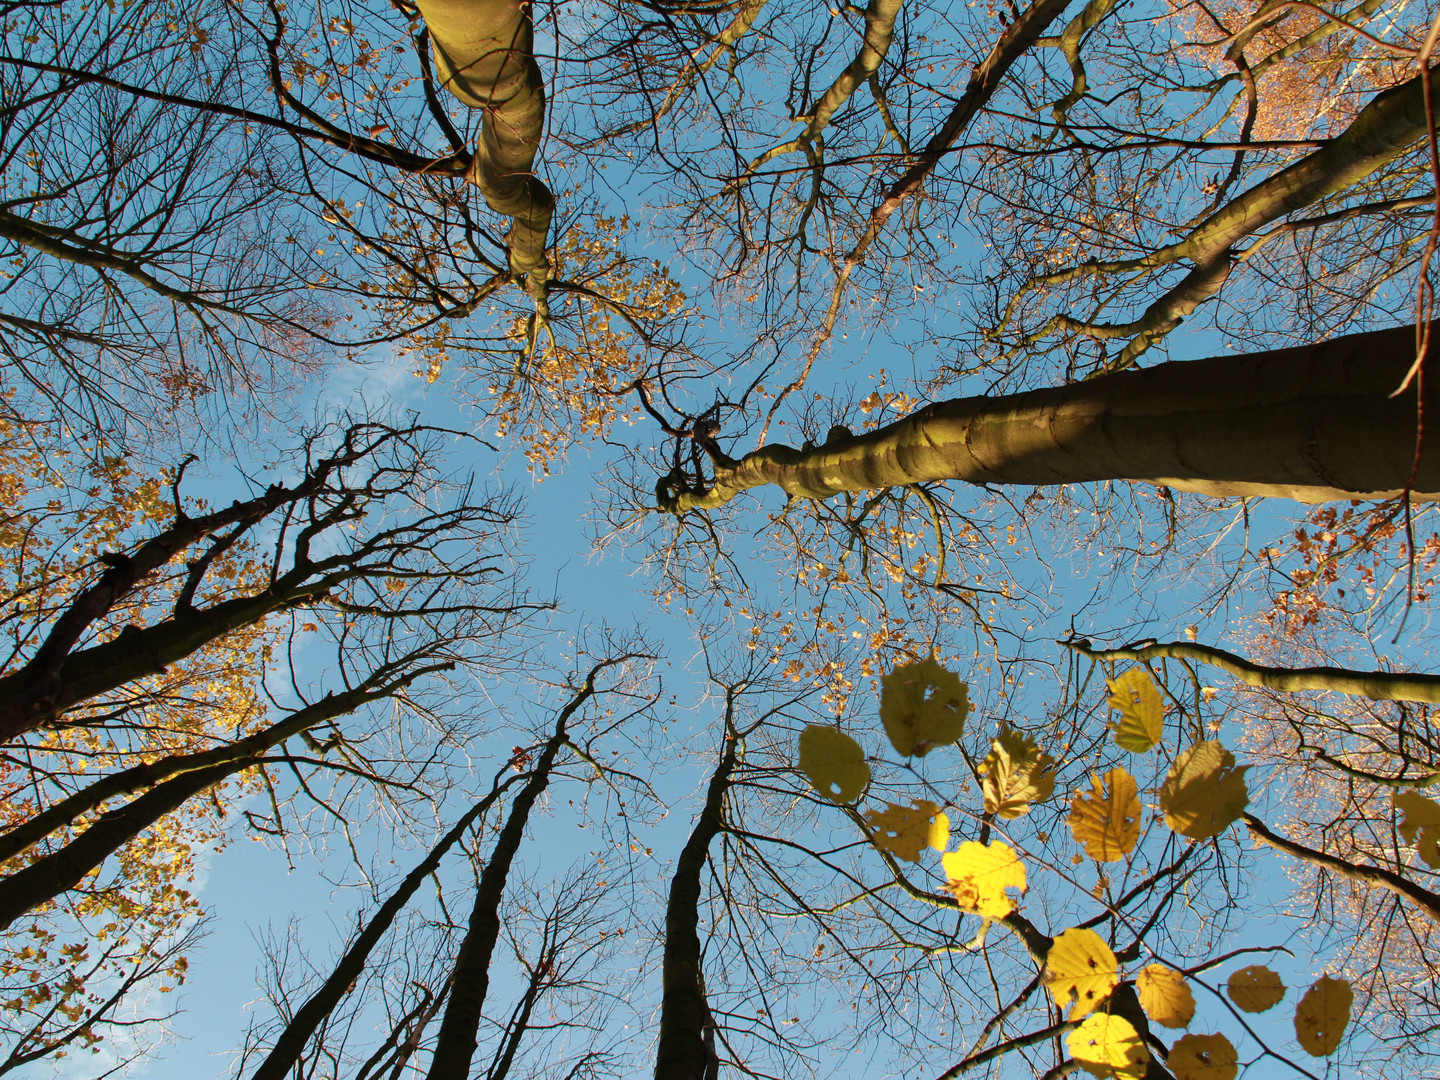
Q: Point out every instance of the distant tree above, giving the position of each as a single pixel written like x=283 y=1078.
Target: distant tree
x=168 y=611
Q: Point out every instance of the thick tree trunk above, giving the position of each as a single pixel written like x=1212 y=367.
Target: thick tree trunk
x=684 y=1052
x=485 y=56
x=1314 y=424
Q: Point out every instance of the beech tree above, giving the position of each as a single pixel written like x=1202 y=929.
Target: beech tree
x=1022 y=207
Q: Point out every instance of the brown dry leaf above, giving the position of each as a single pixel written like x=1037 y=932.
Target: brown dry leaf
x=904 y=831
x=1081 y=971
x=1204 y=792
x=977 y=876
x=1203 y=1057
x=1322 y=1014
x=1255 y=988
x=1016 y=773
x=834 y=763
x=1421 y=826
x=1109 y=1046
x=922 y=706
x=1106 y=819
x=1165 y=996
x=1137 y=699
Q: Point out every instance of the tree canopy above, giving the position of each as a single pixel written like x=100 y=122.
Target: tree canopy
x=1015 y=424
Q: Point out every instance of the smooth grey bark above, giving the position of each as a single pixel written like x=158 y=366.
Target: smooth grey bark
x=485 y=57
x=1315 y=423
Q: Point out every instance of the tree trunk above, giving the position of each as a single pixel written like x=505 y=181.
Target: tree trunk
x=52 y=874
x=322 y=1003
x=455 y=1045
x=1315 y=423
x=485 y=56
x=684 y=1052
x=1376 y=685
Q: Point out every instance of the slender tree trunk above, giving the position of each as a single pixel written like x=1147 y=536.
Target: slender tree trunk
x=485 y=56
x=880 y=16
x=1376 y=685
x=685 y=1052
x=1393 y=121
x=246 y=751
x=43 y=687
x=288 y=1047
x=1314 y=424
x=52 y=874
x=1374 y=876
x=41 y=691
x=455 y=1045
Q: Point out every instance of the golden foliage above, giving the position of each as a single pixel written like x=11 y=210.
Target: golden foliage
x=1136 y=697
x=1165 y=996
x=1015 y=774
x=62 y=506
x=552 y=390
x=1109 y=1046
x=1421 y=825
x=1203 y=1057
x=1322 y=1015
x=922 y=706
x=905 y=831
x=1204 y=793
x=978 y=875
x=834 y=763
x=1106 y=819
x=1255 y=988
x=1081 y=970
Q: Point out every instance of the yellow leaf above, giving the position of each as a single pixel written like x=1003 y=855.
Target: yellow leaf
x=922 y=706
x=1015 y=774
x=1255 y=988
x=1137 y=699
x=1203 y=792
x=904 y=831
x=1165 y=996
x=1322 y=1014
x=977 y=876
x=1082 y=971
x=833 y=763
x=1421 y=826
x=1106 y=819
x=1109 y=1046
x=1203 y=1057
